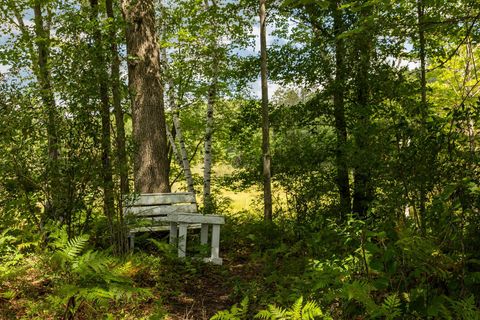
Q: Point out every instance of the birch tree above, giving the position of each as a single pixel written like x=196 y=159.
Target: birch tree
x=211 y=101
x=267 y=184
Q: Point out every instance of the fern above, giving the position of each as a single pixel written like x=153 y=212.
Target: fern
x=466 y=309
x=298 y=311
x=391 y=307
x=90 y=276
x=235 y=313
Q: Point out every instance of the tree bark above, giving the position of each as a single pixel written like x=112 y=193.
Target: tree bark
x=363 y=192
x=207 y=160
x=52 y=209
x=117 y=106
x=185 y=163
x=211 y=101
x=120 y=229
x=144 y=75
x=175 y=151
x=102 y=82
x=183 y=150
x=267 y=184
x=423 y=105
x=339 y=111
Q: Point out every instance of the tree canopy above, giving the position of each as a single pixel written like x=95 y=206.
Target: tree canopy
x=339 y=138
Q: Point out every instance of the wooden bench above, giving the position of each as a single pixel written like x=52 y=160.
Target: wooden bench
x=176 y=212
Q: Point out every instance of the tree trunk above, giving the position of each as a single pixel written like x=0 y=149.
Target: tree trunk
x=339 y=112
x=183 y=150
x=267 y=184
x=117 y=107
x=175 y=151
x=120 y=229
x=144 y=75
x=207 y=160
x=212 y=98
x=52 y=209
x=423 y=105
x=185 y=163
x=102 y=82
x=363 y=193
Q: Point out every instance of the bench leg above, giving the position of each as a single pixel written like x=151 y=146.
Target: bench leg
x=173 y=233
x=132 y=241
x=204 y=234
x=215 y=257
x=182 y=240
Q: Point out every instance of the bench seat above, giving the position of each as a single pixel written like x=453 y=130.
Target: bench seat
x=176 y=212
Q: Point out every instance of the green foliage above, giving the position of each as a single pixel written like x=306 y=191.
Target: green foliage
x=235 y=313
x=89 y=276
x=298 y=311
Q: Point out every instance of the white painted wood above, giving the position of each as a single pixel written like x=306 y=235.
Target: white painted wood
x=215 y=254
x=161 y=210
x=204 y=234
x=149 y=199
x=173 y=233
x=161 y=228
x=182 y=240
x=176 y=212
x=150 y=229
x=196 y=218
x=217 y=261
x=132 y=241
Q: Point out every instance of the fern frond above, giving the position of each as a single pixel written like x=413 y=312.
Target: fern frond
x=263 y=314
x=296 y=312
x=391 y=307
x=278 y=313
x=75 y=246
x=311 y=310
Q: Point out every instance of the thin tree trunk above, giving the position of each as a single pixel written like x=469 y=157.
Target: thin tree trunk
x=362 y=193
x=423 y=106
x=120 y=228
x=185 y=163
x=267 y=184
x=212 y=98
x=207 y=163
x=117 y=105
x=102 y=79
x=46 y=93
x=175 y=151
x=339 y=112
x=144 y=74
x=183 y=150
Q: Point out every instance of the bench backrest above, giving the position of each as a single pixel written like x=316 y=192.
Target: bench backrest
x=153 y=205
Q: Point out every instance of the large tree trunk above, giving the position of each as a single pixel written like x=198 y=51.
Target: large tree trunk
x=42 y=73
x=363 y=192
x=267 y=184
x=339 y=111
x=144 y=75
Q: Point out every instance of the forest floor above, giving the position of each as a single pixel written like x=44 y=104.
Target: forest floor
x=196 y=291
x=181 y=290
